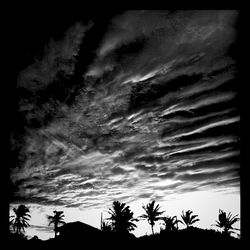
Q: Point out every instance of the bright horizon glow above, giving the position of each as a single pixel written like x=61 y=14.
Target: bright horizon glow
x=205 y=204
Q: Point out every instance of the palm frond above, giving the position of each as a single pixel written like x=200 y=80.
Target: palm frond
x=143 y=217
x=218 y=224
x=193 y=217
x=195 y=221
x=51 y=222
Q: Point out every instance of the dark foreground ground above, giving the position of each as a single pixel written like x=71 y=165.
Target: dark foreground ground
x=183 y=239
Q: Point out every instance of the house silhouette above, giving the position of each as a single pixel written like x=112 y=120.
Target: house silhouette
x=75 y=234
x=77 y=230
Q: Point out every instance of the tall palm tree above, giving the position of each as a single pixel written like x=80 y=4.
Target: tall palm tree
x=56 y=220
x=152 y=214
x=20 y=219
x=226 y=221
x=121 y=218
x=189 y=219
x=170 y=223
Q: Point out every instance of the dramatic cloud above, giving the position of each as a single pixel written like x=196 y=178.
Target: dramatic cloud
x=156 y=113
x=59 y=58
x=161 y=40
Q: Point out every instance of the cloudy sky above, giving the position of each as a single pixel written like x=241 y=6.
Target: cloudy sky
x=130 y=106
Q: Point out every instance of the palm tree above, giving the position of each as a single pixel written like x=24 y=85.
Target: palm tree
x=20 y=219
x=189 y=219
x=226 y=221
x=56 y=220
x=170 y=223
x=121 y=218
x=152 y=214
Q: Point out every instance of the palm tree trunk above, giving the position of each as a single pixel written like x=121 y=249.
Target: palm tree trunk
x=55 y=229
x=152 y=229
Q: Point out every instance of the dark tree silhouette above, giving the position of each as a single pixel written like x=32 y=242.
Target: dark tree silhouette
x=121 y=218
x=226 y=221
x=152 y=214
x=56 y=220
x=189 y=219
x=170 y=223
x=106 y=227
x=20 y=219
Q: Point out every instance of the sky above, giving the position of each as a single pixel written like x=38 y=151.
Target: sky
x=134 y=106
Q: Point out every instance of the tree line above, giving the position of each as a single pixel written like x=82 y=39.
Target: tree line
x=122 y=219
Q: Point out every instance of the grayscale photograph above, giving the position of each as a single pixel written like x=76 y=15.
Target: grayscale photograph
x=125 y=131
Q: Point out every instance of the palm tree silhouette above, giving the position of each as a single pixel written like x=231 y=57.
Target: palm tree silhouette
x=170 y=223
x=56 y=220
x=189 y=219
x=20 y=219
x=152 y=214
x=226 y=221
x=121 y=218
x=106 y=227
